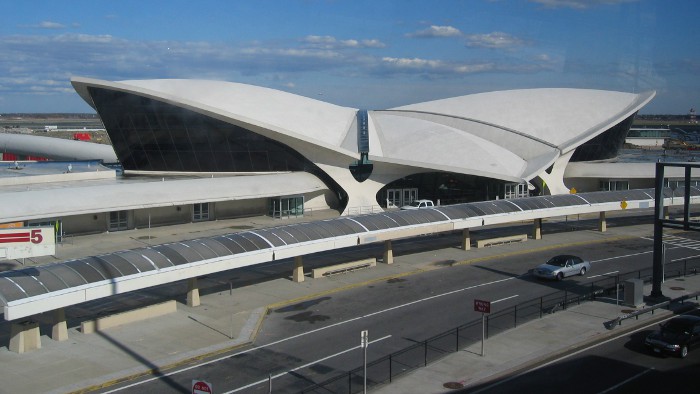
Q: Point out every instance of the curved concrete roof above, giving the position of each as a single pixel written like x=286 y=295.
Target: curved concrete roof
x=56 y=148
x=510 y=135
x=515 y=132
x=306 y=119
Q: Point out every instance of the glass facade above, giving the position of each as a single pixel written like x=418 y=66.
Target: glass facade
x=606 y=145
x=447 y=188
x=149 y=135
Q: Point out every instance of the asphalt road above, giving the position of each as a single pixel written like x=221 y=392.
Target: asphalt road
x=317 y=339
x=620 y=365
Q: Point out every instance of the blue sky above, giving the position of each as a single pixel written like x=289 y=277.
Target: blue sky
x=363 y=54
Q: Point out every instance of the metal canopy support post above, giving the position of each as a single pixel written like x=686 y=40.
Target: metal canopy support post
x=657 y=268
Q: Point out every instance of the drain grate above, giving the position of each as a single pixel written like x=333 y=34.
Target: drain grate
x=676 y=288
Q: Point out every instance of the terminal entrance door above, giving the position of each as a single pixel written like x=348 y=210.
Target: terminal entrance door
x=396 y=198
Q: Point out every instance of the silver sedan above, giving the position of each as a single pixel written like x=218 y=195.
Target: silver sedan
x=562 y=266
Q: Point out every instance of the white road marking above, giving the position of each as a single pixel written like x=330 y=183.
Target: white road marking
x=503 y=299
x=622 y=257
x=303 y=366
x=607 y=273
x=626 y=381
x=308 y=333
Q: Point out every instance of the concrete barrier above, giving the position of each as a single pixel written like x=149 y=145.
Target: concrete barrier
x=90 y=326
x=501 y=240
x=343 y=268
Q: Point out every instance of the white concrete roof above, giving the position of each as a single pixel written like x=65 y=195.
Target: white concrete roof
x=516 y=133
x=45 y=201
x=56 y=148
x=511 y=135
x=303 y=118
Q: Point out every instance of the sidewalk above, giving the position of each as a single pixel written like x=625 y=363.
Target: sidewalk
x=533 y=343
x=230 y=319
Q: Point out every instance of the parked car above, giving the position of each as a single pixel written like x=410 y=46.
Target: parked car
x=559 y=267
x=676 y=336
x=418 y=204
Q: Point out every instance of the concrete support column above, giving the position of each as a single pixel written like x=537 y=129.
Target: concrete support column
x=537 y=229
x=24 y=337
x=193 y=292
x=602 y=224
x=666 y=214
x=298 y=274
x=59 y=331
x=466 y=239
x=388 y=257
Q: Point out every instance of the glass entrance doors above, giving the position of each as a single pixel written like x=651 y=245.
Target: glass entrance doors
x=396 y=198
x=284 y=207
x=118 y=220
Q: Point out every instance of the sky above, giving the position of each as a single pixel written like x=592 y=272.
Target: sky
x=363 y=54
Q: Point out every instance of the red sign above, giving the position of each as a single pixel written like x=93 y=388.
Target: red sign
x=201 y=387
x=482 y=306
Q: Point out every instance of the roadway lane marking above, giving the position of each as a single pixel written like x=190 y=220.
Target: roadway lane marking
x=607 y=273
x=622 y=257
x=503 y=299
x=216 y=360
x=626 y=381
x=435 y=296
x=303 y=366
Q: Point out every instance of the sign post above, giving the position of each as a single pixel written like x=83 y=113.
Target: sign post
x=484 y=307
x=364 y=342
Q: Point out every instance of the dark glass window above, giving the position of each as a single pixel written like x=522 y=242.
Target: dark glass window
x=605 y=145
x=149 y=135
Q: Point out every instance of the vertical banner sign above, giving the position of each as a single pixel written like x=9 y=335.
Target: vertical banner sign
x=201 y=387
x=16 y=243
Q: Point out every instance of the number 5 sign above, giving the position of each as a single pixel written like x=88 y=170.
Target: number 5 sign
x=27 y=242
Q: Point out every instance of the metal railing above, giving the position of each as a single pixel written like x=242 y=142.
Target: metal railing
x=362 y=210
x=386 y=368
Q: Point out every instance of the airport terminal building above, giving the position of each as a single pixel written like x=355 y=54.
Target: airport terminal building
x=195 y=150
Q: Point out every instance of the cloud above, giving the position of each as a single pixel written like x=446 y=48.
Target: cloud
x=417 y=65
x=50 y=25
x=439 y=68
x=330 y=42
x=436 y=31
x=495 y=40
x=579 y=4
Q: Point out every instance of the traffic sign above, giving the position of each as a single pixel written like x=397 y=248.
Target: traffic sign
x=482 y=306
x=201 y=387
